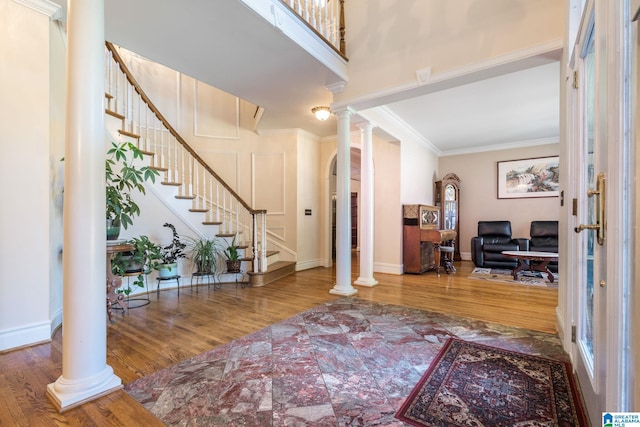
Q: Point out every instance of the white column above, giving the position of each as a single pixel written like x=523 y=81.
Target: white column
x=366 y=207
x=85 y=374
x=343 y=208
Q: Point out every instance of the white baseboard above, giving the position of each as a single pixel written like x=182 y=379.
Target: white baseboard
x=27 y=335
x=56 y=321
x=380 y=267
x=306 y=265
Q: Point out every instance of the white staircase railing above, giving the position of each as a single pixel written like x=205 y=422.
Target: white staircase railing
x=326 y=17
x=182 y=167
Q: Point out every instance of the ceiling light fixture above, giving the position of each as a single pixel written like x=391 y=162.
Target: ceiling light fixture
x=321 y=113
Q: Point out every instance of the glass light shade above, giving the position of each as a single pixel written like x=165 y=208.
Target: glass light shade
x=321 y=113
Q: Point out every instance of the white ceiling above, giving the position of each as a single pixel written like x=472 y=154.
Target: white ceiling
x=229 y=46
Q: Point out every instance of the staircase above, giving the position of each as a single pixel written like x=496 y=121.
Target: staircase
x=183 y=169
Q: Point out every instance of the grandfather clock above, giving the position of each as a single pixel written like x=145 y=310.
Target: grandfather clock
x=447 y=198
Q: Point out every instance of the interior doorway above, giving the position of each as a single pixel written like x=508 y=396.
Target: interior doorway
x=355 y=190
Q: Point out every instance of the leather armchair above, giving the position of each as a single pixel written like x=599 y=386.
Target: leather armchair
x=544 y=238
x=493 y=238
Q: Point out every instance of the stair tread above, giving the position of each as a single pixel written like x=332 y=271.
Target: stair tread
x=278 y=265
x=129 y=134
x=185 y=197
x=175 y=184
x=114 y=114
x=198 y=210
x=211 y=223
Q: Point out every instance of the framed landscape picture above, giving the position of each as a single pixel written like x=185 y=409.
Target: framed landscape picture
x=537 y=177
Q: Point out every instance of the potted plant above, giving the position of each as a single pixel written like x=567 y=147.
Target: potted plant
x=232 y=255
x=171 y=254
x=204 y=252
x=123 y=179
x=141 y=260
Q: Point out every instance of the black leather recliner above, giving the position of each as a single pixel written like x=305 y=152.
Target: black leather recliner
x=544 y=238
x=493 y=238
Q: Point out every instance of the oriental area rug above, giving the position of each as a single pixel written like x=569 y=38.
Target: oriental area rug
x=348 y=362
x=505 y=276
x=470 y=384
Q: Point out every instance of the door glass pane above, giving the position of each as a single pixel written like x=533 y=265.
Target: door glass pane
x=450 y=207
x=589 y=144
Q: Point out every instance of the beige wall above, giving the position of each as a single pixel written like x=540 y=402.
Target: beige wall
x=388 y=207
x=443 y=35
x=308 y=197
x=387 y=255
x=478 y=193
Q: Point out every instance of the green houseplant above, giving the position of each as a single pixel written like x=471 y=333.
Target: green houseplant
x=232 y=254
x=123 y=179
x=204 y=252
x=171 y=253
x=141 y=260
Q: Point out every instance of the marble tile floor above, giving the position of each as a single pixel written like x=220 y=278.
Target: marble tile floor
x=349 y=362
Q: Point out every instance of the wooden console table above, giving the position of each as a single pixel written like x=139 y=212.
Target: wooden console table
x=114 y=282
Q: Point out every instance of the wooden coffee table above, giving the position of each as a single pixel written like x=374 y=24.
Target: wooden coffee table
x=543 y=259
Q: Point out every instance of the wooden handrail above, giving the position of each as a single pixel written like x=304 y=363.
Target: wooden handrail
x=174 y=133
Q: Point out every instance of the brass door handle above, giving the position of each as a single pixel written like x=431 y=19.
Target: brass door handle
x=600 y=225
x=586 y=227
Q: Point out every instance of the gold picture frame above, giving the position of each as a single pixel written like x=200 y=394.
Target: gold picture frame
x=525 y=178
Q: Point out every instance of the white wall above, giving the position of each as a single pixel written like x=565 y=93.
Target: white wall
x=219 y=127
x=57 y=129
x=25 y=259
x=479 y=194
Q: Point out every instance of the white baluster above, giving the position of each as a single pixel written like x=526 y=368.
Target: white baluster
x=263 y=244
x=255 y=243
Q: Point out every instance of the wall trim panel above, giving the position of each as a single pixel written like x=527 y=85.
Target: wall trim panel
x=280 y=205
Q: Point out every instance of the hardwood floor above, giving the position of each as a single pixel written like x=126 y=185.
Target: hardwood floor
x=173 y=328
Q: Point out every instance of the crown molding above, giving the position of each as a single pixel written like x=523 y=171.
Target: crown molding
x=498 y=147
x=46 y=7
x=391 y=123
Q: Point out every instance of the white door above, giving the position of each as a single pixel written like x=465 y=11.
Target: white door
x=600 y=246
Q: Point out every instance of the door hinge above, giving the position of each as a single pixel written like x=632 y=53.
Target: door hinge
x=575 y=80
x=573 y=333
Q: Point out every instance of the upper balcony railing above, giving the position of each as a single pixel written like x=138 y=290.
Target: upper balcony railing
x=325 y=17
